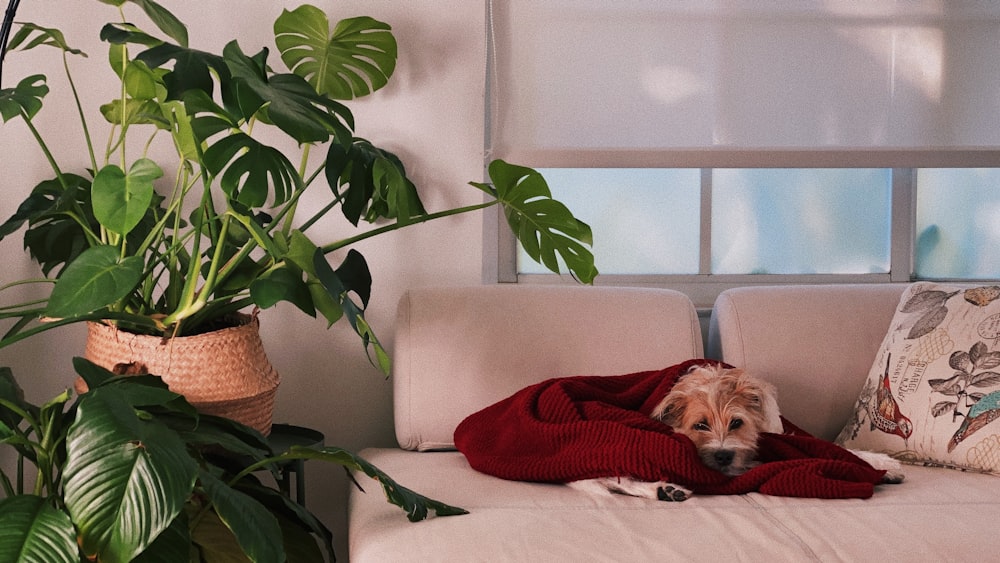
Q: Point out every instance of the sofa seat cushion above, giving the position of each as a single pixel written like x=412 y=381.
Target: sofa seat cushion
x=926 y=518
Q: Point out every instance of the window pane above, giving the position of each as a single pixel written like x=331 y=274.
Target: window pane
x=801 y=221
x=645 y=221
x=958 y=223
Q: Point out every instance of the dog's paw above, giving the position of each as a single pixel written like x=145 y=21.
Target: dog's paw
x=672 y=493
x=883 y=462
x=893 y=477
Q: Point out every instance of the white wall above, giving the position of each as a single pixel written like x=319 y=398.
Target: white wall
x=431 y=115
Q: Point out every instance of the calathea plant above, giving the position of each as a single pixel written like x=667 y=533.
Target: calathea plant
x=130 y=471
x=171 y=248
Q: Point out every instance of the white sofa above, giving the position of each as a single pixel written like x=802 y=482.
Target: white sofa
x=459 y=350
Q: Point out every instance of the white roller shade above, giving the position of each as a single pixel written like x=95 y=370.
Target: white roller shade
x=629 y=81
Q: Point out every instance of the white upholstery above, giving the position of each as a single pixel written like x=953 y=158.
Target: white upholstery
x=935 y=515
x=458 y=350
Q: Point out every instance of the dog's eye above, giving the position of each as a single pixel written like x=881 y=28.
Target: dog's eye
x=702 y=426
x=735 y=423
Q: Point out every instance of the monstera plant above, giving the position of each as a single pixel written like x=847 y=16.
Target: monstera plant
x=130 y=471
x=170 y=248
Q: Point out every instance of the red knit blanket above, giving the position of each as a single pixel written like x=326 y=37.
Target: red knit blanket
x=572 y=428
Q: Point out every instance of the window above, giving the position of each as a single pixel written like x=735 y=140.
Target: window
x=726 y=143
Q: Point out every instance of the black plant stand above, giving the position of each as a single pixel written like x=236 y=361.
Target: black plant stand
x=284 y=436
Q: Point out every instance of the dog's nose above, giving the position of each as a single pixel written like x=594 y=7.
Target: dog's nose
x=724 y=457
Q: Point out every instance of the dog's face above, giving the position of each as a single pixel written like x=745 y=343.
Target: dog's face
x=723 y=411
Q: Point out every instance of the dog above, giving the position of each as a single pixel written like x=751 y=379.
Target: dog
x=723 y=411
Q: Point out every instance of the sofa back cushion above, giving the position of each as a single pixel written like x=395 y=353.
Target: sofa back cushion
x=816 y=343
x=458 y=350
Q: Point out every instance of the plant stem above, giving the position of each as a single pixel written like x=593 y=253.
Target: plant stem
x=138 y=320
x=79 y=111
x=289 y=210
x=45 y=149
x=397 y=225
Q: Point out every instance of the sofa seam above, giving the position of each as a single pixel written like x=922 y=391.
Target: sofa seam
x=741 y=341
x=780 y=526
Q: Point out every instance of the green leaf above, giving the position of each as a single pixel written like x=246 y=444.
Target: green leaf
x=164 y=20
x=11 y=392
x=141 y=391
x=546 y=229
x=97 y=278
x=252 y=170
x=60 y=217
x=124 y=33
x=215 y=543
x=47 y=36
x=91 y=373
x=357 y=59
x=141 y=112
x=171 y=546
x=415 y=505
x=291 y=103
x=376 y=183
x=24 y=98
x=296 y=523
x=282 y=285
x=301 y=251
x=31 y=530
x=255 y=528
x=193 y=69
x=181 y=129
x=140 y=82
x=126 y=477
x=120 y=200
x=352 y=276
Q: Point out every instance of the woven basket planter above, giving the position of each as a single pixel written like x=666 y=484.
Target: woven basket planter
x=224 y=372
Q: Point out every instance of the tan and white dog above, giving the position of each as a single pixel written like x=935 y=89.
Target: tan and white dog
x=723 y=411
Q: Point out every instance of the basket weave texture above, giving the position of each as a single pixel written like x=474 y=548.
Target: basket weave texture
x=224 y=372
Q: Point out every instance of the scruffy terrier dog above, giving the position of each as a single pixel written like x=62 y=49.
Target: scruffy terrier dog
x=723 y=411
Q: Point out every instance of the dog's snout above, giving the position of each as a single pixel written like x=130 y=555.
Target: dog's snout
x=724 y=457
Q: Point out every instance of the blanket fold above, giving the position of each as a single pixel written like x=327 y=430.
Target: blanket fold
x=571 y=428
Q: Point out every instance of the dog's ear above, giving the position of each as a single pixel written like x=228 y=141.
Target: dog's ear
x=764 y=400
x=670 y=411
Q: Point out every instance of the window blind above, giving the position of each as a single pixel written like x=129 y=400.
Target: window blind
x=644 y=83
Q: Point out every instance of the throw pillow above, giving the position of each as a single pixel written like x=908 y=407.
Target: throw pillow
x=933 y=393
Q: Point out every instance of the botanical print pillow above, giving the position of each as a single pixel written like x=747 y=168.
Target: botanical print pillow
x=933 y=392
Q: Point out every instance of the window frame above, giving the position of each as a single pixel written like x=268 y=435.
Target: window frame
x=500 y=248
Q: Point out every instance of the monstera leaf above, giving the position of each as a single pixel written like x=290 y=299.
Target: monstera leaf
x=355 y=60
x=25 y=98
x=545 y=227
x=164 y=20
x=251 y=170
x=416 y=506
x=291 y=103
x=39 y=35
x=373 y=182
